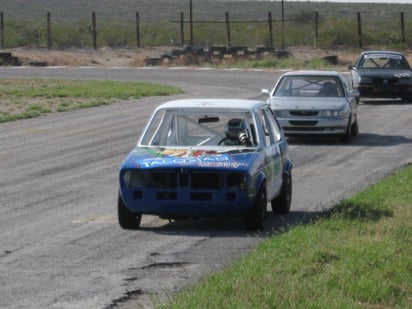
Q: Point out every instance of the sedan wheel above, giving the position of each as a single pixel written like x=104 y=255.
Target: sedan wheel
x=355 y=128
x=256 y=218
x=281 y=204
x=347 y=136
x=127 y=219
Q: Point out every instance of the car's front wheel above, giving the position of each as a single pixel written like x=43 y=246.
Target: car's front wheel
x=127 y=219
x=355 y=128
x=406 y=99
x=255 y=219
x=347 y=136
x=281 y=204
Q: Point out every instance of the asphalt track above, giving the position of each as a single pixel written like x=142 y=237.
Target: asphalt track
x=60 y=244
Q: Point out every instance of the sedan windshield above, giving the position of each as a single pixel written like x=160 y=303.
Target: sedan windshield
x=309 y=86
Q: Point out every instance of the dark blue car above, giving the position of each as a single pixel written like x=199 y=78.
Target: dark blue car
x=206 y=158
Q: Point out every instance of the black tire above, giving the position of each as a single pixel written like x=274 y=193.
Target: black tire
x=281 y=204
x=127 y=219
x=255 y=219
x=347 y=136
x=355 y=128
x=406 y=99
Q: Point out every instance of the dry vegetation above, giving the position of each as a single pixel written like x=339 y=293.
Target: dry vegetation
x=104 y=57
x=107 y=57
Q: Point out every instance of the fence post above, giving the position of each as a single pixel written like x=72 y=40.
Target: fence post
x=315 y=45
x=137 y=29
x=270 y=29
x=229 y=39
x=1 y=30
x=359 y=29
x=182 y=30
x=283 y=26
x=191 y=22
x=403 y=27
x=48 y=30
x=94 y=31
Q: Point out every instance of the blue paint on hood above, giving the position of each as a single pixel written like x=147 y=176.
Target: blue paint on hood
x=150 y=158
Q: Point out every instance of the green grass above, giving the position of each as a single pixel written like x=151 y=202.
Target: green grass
x=288 y=63
x=28 y=98
x=357 y=255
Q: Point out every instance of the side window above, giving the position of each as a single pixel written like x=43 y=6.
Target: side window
x=155 y=134
x=272 y=128
x=265 y=131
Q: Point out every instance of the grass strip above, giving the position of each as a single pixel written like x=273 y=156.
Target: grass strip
x=289 y=64
x=357 y=255
x=28 y=98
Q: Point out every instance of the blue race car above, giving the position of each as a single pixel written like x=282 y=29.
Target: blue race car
x=205 y=158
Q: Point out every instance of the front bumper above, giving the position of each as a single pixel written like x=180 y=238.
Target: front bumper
x=385 y=91
x=179 y=203
x=295 y=126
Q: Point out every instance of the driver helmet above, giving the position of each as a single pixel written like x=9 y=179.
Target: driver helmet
x=236 y=129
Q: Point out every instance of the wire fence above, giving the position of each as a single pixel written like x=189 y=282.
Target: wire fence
x=306 y=29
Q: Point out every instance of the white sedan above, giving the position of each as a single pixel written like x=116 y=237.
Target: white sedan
x=315 y=102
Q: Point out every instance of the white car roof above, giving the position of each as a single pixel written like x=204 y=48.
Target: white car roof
x=312 y=73
x=212 y=103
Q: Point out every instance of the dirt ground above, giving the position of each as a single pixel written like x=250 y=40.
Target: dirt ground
x=107 y=57
x=104 y=57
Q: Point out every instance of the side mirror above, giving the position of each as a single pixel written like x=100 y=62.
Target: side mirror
x=266 y=91
x=354 y=93
x=351 y=67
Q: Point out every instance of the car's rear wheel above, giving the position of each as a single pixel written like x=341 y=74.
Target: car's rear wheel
x=255 y=219
x=127 y=219
x=281 y=204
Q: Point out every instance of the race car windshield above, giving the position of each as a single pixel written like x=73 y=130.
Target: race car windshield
x=177 y=128
x=309 y=86
x=383 y=61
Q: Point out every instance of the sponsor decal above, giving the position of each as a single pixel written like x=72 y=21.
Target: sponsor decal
x=402 y=75
x=187 y=157
x=186 y=153
x=387 y=56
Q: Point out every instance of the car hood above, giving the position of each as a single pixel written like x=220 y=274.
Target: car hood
x=307 y=103
x=150 y=158
x=387 y=73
